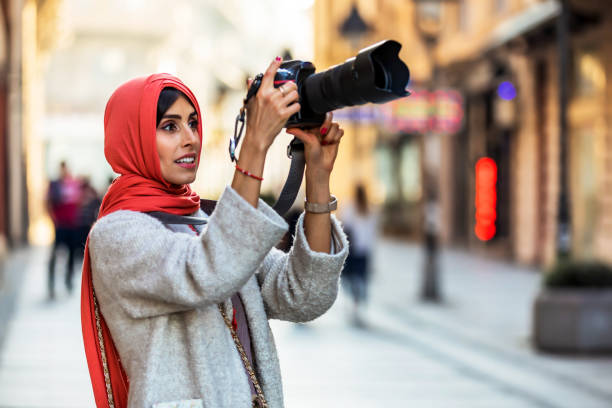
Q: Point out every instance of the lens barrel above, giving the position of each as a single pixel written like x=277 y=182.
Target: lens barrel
x=375 y=75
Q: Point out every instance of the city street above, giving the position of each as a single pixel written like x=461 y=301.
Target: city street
x=471 y=351
x=482 y=128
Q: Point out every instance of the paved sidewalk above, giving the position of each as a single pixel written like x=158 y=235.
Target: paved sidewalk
x=483 y=327
x=11 y=278
x=42 y=363
x=470 y=352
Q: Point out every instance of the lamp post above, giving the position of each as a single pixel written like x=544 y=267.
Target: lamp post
x=354 y=28
x=427 y=21
x=563 y=239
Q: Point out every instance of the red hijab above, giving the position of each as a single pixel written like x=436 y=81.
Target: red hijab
x=131 y=150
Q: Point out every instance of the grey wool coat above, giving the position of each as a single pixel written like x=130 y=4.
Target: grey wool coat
x=158 y=291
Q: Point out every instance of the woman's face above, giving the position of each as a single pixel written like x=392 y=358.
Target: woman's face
x=178 y=142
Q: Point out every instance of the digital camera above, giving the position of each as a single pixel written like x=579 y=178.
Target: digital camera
x=376 y=74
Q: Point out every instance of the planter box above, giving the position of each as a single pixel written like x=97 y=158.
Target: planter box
x=573 y=320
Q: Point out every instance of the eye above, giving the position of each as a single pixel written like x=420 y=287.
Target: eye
x=169 y=127
x=194 y=124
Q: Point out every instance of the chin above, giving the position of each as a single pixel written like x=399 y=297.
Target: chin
x=179 y=176
x=180 y=180
x=188 y=180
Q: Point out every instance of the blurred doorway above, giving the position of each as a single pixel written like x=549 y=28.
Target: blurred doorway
x=398 y=162
x=462 y=190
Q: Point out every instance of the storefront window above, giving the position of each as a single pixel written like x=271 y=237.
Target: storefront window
x=584 y=189
x=410 y=170
x=386 y=176
x=399 y=172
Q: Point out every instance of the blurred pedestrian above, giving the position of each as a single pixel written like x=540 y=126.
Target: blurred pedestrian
x=361 y=225
x=88 y=212
x=181 y=308
x=63 y=197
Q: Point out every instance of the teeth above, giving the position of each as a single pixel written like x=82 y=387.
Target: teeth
x=186 y=160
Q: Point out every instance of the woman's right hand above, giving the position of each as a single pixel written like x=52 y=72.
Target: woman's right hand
x=267 y=112
x=269 y=109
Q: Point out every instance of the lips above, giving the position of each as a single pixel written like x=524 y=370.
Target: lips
x=187 y=161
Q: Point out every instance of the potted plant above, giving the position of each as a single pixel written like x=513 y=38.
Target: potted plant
x=573 y=312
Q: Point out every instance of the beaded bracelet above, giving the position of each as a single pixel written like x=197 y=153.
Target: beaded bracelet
x=246 y=173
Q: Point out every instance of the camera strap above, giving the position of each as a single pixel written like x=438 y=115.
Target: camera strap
x=295 y=151
x=240 y=118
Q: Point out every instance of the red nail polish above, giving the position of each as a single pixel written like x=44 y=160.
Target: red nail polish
x=278 y=58
x=323 y=131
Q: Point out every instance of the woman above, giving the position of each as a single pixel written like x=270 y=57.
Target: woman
x=181 y=310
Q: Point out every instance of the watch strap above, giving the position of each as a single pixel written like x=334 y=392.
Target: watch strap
x=318 y=208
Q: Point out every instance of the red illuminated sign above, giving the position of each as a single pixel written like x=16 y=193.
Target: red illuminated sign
x=486 y=198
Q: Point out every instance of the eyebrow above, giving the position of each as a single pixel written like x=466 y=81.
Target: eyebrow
x=194 y=113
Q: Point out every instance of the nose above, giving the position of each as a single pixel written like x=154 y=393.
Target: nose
x=190 y=136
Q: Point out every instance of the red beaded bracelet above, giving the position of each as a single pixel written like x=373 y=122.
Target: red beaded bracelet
x=246 y=173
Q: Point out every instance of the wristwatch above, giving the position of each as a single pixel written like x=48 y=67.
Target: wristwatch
x=318 y=208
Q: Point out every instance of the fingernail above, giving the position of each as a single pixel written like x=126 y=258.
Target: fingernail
x=323 y=131
x=278 y=59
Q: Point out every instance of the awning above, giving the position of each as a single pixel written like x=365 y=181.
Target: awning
x=523 y=22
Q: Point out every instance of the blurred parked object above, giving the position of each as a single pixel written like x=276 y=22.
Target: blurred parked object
x=573 y=312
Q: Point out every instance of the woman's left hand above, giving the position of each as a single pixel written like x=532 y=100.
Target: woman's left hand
x=320 y=151
x=320 y=146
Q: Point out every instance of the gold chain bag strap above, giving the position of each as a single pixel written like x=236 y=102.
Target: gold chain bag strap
x=109 y=389
x=258 y=401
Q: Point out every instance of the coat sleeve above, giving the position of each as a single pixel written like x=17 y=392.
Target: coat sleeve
x=150 y=270
x=302 y=285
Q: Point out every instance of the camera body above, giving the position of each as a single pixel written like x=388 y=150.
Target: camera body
x=376 y=74
x=297 y=71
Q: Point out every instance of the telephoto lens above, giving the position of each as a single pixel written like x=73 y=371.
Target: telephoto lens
x=375 y=75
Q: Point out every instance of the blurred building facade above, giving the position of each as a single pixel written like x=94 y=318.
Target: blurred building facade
x=479 y=45
x=212 y=46
x=9 y=63
x=24 y=29
x=517 y=42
